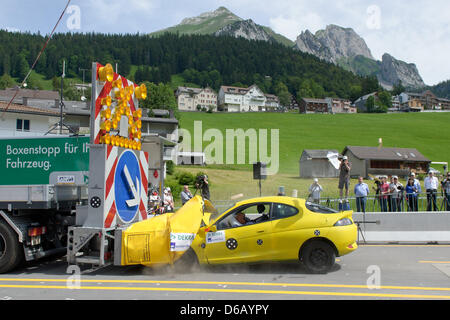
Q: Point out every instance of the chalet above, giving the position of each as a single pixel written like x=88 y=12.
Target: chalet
x=24 y=121
x=319 y=164
x=310 y=105
x=422 y=101
x=385 y=161
x=196 y=99
x=237 y=99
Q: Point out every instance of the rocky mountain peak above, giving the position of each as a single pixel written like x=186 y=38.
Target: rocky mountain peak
x=394 y=71
x=333 y=43
x=247 y=29
x=344 y=47
x=221 y=12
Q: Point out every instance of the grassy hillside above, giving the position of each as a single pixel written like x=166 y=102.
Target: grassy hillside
x=428 y=132
x=360 y=65
x=202 y=24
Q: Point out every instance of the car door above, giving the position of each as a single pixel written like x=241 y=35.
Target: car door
x=288 y=231
x=247 y=243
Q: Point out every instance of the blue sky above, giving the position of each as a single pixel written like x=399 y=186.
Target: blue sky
x=416 y=31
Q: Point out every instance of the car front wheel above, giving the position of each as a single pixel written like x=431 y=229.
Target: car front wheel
x=187 y=262
x=318 y=257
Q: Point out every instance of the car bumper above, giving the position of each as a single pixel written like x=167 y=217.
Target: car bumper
x=344 y=238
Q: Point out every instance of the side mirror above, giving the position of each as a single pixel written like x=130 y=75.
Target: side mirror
x=212 y=228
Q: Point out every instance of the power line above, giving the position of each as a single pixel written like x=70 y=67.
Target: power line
x=37 y=58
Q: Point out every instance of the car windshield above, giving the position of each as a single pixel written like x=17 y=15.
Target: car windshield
x=317 y=208
x=218 y=213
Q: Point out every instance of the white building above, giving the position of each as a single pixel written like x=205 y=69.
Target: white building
x=23 y=121
x=193 y=99
x=236 y=99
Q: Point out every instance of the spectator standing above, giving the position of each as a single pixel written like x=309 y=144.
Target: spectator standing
x=431 y=185
x=396 y=190
x=168 y=200
x=361 y=192
x=314 y=191
x=185 y=195
x=419 y=190
x=446 y=189
x=344 y=178
x=389 y=196
x=384 y=190
x=203 y=185
x=411 y=194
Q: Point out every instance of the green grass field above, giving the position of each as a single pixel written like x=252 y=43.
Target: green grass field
x=429 y=133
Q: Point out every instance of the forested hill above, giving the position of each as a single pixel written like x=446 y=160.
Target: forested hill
x=200 y=59
x=442 y=89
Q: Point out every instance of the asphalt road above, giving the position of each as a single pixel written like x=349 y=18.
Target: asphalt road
x=372 y=272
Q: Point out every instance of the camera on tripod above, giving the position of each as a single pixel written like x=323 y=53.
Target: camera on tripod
x=200 y=181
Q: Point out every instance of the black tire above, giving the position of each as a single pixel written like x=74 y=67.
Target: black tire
x=11 y=253
x=188 y=262
x=318 y=257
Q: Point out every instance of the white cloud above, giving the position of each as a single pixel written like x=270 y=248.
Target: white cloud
x=291 y=26
x=119 y=16
x=416 y=31
x=11 y=29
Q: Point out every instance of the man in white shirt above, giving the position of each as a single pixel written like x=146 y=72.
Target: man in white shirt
x=396 y=190
x=431 y=184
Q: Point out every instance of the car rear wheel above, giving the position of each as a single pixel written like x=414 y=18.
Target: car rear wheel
x=11 y=253
x=318 y=257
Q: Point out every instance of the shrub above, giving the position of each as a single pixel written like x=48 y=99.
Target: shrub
x=186 y=178
x=175 y=188
x=170 y=167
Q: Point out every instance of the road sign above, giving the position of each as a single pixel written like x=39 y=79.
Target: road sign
x=127 y=186
x=30 y=161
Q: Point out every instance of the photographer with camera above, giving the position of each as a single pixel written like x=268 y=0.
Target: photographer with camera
x=431 y=185
x=344 y=178
x=203 y=185
x=396 y=189
x=445 y=184
x=377 y=190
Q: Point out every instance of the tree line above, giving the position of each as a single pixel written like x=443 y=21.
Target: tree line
x=199 y=59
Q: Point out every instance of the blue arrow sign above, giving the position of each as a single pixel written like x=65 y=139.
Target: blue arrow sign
x=127 y=186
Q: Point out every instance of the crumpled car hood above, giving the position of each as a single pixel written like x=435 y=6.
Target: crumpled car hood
x=164 y=238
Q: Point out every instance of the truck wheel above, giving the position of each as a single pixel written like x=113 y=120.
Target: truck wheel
x=11 y=253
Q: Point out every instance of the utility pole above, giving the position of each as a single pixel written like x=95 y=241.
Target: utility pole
x=61 y=103
x=83 y=70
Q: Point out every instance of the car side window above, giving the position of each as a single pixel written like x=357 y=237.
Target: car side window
x=251 y=214
x=280 y=211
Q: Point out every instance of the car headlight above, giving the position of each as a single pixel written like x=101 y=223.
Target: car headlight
x=343 y=222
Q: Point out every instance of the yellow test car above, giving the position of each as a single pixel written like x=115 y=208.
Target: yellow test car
x=275 y=229
x=255 y=230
